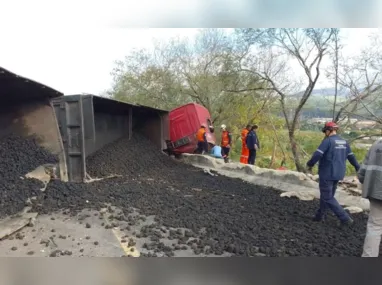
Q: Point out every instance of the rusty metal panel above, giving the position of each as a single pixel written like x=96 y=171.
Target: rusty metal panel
x=61 y=155
x=89 y=126
x=69 y=114
x=165 y=129
x=75 y=139
x=151 y=126
x=111 y=122
x=109 y=127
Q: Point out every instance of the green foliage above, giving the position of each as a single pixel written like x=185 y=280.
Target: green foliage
x=204 y=71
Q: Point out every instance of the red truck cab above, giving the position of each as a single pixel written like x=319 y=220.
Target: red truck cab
x=185 y=121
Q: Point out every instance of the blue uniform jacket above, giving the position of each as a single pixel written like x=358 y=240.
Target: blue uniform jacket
x=251 y=140
x=332 y=155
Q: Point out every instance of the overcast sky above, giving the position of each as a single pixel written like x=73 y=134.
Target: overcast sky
x=72 y=45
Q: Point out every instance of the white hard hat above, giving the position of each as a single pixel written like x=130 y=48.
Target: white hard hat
x=223 y=126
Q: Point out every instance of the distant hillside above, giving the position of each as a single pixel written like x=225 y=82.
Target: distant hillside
x=320 y=103
x=324 y=92
x=321 y=100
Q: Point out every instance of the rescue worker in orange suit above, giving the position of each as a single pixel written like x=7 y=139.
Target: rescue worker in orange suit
x=331 y=156
x=244 y=148
x=226 y=143
x=201 y=136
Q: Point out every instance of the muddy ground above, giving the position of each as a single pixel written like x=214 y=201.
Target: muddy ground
x=191 y=210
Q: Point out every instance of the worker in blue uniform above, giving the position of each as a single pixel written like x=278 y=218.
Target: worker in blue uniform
x=332 y=155
x=253 y=144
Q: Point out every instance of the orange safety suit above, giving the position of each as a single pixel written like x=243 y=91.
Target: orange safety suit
x=244 y=149
x=202 y=146
x=200 y=135
x=225 y=139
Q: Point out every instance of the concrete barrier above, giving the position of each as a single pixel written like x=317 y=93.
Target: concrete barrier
x=285 y=176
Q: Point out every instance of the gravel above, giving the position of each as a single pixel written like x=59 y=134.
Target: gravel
x=226 y=215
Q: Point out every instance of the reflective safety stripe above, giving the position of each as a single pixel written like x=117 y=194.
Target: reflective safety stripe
x=351 y=154
x=340 y=147
x=371 y=167
x=320 y=151
x=244 y=159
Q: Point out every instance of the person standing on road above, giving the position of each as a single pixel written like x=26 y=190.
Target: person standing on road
x=370 y=175
x=226 y=142
x=201 y=136
x=253 y=144
x=332 y=155
x=244 y=149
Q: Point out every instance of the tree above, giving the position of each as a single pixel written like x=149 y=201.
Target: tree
x=268 y=55
x=361 y=78
x=143 y=78
x=336 y=48
x=182 y=71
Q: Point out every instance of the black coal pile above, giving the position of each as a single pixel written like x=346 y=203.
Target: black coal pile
x=135 y=158
x=221 y=214
x=21 y=155
x=18 y=156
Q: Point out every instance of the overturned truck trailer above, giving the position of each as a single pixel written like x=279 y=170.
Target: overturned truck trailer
x=26 y=111
x=73 y=127
x=88 y=122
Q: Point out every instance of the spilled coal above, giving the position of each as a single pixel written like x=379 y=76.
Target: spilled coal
x=18 y=156
x=220 y=213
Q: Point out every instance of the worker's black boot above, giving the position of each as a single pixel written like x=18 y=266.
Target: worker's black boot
x=347 y=224
x=318 y=218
